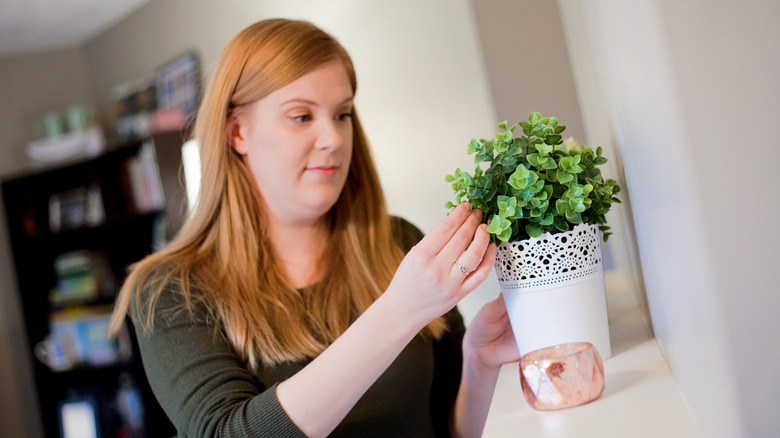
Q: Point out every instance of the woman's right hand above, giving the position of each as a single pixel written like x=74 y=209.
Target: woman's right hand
x=429 y=282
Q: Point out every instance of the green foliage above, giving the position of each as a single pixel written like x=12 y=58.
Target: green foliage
x=534 y=183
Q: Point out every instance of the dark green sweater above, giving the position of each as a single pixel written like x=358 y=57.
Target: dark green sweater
x=206 y=390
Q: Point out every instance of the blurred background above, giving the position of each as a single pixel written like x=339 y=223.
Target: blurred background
x=682 y=96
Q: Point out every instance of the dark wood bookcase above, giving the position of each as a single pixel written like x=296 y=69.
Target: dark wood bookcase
x=111 y=208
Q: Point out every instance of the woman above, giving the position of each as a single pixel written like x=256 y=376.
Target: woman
x=286 y=305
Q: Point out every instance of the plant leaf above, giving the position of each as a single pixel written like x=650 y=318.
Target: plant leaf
x=546 y=220
x=563 y=176
x=534 y=230
x=552 y=139
x=473 y=146
x=506 y=206
x=528 y=185
x=535 y=160
x=561 y=224
x=505 y=235
x=549 y=165
x=544 y=149
x=562 y=207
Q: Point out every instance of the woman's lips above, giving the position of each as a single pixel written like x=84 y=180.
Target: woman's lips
x=323 y=171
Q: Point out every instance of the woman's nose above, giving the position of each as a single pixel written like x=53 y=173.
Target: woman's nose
x=331 y=134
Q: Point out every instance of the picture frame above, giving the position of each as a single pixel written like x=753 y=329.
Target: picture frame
x=178 y=87
x=134 y=104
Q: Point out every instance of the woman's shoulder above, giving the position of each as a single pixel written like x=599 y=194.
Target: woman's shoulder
x=406 y=234
x=165 y=295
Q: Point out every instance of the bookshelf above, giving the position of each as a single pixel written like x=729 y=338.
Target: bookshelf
x=74 y=230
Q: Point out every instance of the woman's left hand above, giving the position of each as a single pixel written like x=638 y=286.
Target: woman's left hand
x=489 y=341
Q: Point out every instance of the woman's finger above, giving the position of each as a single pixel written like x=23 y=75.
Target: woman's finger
x=482 y=271
x=472 y=256
x=459 y=241
x=434 y=241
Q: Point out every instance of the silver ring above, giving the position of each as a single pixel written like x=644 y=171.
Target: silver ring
x=462 y=269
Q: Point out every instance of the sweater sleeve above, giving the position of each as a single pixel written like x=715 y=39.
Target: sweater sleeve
x=201 y=383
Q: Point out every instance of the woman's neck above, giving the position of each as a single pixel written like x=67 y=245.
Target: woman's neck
x=298 y=247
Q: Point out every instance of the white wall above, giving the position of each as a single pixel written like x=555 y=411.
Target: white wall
x=31 y=85
x=688 y=91
x=527 y=61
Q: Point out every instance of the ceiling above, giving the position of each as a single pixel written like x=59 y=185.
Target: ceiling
x=28 y=26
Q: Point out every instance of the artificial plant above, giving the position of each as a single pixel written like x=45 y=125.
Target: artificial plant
x=534 y=183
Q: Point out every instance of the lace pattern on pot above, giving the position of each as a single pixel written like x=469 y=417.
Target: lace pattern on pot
x=550 y=259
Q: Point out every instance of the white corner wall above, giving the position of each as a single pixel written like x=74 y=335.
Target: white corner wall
x=688 y=91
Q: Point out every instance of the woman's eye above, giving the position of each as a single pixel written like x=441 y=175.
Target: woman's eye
x=344 y=116
x=301 y=118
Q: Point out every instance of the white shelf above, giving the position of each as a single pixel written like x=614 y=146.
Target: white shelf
x=640 y=399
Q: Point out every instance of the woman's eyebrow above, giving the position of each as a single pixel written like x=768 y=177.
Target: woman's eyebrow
x=313 y=103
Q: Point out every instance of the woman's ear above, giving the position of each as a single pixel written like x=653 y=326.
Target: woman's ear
x=233 y=135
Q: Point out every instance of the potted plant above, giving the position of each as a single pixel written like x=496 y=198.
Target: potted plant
x=544 y=200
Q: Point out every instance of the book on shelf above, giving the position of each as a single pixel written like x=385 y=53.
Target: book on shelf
x=82 y=276
x=76 y=208
x=86 y=330
x=142 y=182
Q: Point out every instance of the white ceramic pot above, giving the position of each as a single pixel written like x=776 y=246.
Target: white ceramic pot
x=553 y=287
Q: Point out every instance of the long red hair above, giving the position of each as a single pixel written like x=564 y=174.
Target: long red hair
x=221 y=262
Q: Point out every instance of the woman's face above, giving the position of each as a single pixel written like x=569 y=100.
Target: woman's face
x=298 y=143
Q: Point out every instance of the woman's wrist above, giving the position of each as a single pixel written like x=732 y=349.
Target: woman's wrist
x=478 y=382
x=475 y=361
x=397 y=309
